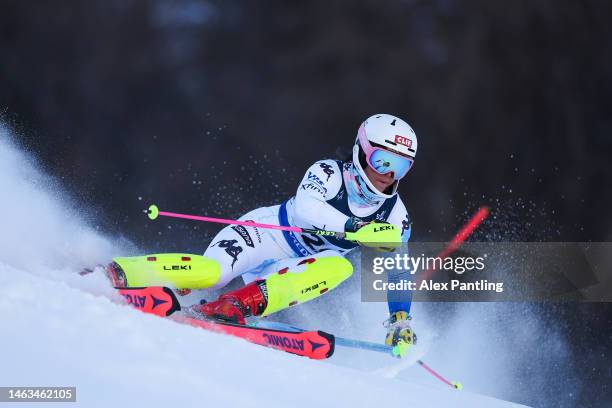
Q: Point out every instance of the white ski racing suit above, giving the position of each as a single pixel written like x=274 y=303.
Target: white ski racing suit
x=324 y=200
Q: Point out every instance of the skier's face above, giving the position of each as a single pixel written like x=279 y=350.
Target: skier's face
x=380 y=181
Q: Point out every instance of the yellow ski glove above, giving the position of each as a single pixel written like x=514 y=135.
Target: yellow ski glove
x=377 y=235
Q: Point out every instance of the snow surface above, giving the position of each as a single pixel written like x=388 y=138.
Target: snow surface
x=59 y=328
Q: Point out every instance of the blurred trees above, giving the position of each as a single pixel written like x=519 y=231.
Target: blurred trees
x=219 y=106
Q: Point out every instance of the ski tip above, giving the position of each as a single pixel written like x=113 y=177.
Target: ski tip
x=152 y=212
x=457 y=385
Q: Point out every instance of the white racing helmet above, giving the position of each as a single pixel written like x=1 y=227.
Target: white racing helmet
x=386 y=144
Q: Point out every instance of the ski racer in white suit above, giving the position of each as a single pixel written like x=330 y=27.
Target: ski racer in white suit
x=334 y=196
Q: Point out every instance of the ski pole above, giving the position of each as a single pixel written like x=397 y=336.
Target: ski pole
x=153 y=212
x=361 y=345
x=383 y=348
x=455 y=384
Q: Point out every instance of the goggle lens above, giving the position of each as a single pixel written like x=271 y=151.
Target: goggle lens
x=384 y=161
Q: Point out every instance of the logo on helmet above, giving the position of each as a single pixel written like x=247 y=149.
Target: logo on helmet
x=403 y=140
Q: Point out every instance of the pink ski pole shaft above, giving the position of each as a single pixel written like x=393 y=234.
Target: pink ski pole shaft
x=456 y=384
x=153 y=212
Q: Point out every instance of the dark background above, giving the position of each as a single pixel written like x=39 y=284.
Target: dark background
x=217 y=107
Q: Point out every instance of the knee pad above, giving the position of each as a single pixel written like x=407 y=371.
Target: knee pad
x=307 y=280
x=180 y=271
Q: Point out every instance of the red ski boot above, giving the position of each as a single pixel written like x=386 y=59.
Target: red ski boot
x=234 y=306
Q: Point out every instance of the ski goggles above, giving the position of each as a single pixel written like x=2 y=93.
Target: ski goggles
x=384 y=161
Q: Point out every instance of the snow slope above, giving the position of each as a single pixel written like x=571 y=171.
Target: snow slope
x=59 y=328
x=59 y=335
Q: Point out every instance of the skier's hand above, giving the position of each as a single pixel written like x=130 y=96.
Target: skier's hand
x=400 y=334
x=354 y=224
x=377 y=235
